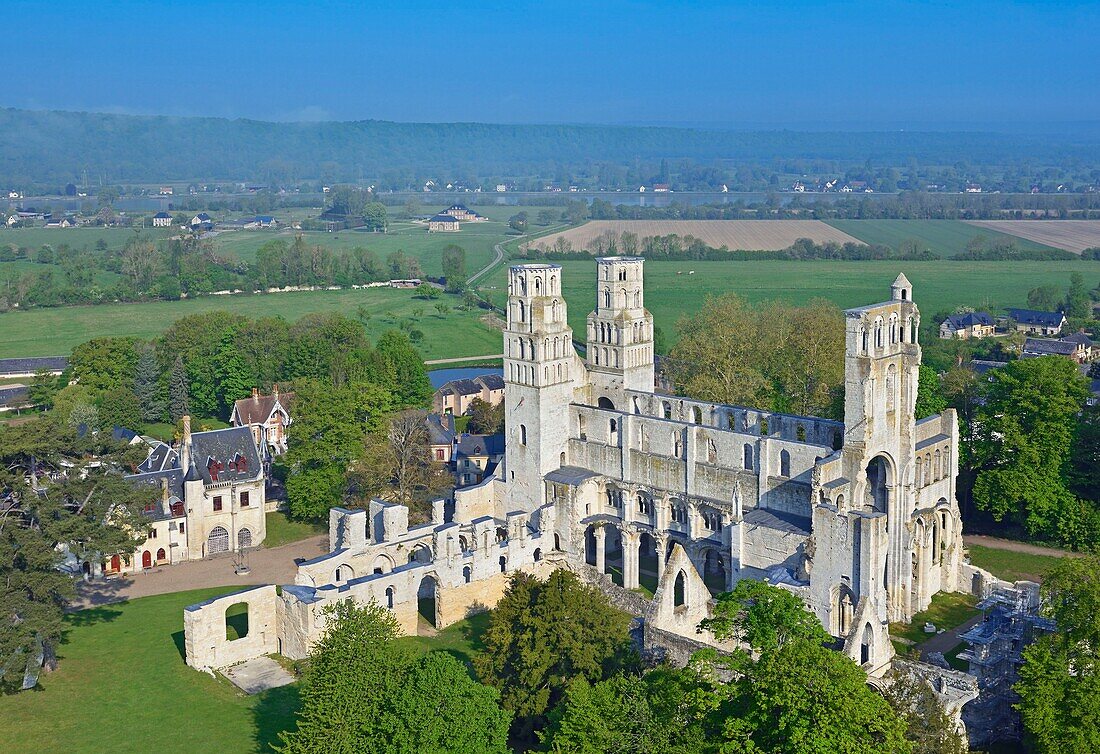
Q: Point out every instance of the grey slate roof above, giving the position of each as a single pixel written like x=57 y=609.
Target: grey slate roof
x=480 y=445
x=32 y=365
x=441 y=429
x=462 y=387
x=970 y=319
x=492 y=381
x=1033 y=317
x=572 y=475
x=1079 y=337
x=1048 y=346
x=441 y=218
x=780 y=520
x=160 y=457
x=223 y=445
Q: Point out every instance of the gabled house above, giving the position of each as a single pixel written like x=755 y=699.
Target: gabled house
x=969 y=325
x=1050 y=347
x=162 y=220
x=443 y=223
x=1035 y=322
x=1087 y=347
x=441 y=436
x=463 y=213
x=267 y=417
x=202 y=221
x=211 y=500
x=476 y=457
x=454 y=397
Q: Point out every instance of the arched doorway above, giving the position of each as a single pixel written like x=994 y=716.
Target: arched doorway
x=879 y=481
x=647 y=562
x=426 y=605
x=382 y=564
x=421 y=553
x=244 y=538
x=218 y=541
x=867 y=645
x=146 y=559
x=344 y=572
x=116 y=563
x=714 y=571
x=86 y=568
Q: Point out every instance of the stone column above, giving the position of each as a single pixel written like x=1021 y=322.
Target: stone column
x=630 y=559
x=601 y=550
x=662 y=544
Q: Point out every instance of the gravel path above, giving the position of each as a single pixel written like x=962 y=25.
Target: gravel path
x=274 y=566
x=1008 y=544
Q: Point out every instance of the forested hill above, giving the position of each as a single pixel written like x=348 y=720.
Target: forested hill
x=54 y=146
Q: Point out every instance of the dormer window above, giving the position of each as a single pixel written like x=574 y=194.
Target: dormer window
x=213 y=468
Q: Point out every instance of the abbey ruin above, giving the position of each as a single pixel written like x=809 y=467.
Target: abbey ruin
x=604 y=475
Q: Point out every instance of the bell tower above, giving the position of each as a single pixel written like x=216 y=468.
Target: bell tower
x=881 y=368
x=620 y=330
x=540 y=367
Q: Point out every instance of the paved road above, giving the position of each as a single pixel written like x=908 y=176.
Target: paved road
x=1007 y=544
x=498 y=250
x=274 y=566
x=949 y=639
x=460 y=359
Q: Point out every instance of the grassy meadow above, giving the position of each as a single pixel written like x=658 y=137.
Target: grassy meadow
x=671 y=291
x=53 y=332
x=122 y=685
x=944 y=237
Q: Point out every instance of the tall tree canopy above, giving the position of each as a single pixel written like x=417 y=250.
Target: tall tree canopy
x=1059 y=684
x=543 y=635
x=773 y=356
x=362 y=691
x=1023 y=446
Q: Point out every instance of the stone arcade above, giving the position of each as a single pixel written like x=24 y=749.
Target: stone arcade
x=603 y=475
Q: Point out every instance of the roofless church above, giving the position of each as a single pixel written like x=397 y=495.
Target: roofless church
x=604 y=476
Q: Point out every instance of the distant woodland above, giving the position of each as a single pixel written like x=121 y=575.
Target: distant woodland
x=44 y=147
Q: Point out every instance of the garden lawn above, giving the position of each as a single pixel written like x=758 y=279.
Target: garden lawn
x=947 y=238
x=462 y=639
x=948 y=610
x=1010 y=565
x=671 y=291
x=54 y=332
x=123 y=686
x=281 y=530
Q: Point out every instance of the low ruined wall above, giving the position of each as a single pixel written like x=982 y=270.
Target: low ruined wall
x=205 y=643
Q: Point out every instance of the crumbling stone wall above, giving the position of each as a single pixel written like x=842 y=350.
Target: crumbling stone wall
x=205 y=643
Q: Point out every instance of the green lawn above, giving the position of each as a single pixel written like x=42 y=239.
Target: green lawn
x=947 y=610
x=1012 y=566
x=952 y=657
x=281 y=530
x=944 y=237
x=123 y=686
x=52 y=332
x=77 y=238
x=671 y=292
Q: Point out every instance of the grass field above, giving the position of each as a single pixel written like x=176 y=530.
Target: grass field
x=946 y=611
x=52 y=332
x=1071 y=235
x=750 y=235
x=671 y=291
x=944 y=237
x=1012 y=566
x=123 y=686
x=281 y=530
x=77 y=238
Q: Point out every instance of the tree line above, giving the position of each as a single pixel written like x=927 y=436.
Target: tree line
x=145 y=269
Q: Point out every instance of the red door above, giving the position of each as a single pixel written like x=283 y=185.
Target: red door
x=116 y=563
x=146 y=559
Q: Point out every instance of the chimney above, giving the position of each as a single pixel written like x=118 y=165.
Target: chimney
x=255 y=393
x=185 y=444
x=275 y=390
x=164 y=506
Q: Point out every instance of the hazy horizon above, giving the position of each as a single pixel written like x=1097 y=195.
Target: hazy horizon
x=853 y=66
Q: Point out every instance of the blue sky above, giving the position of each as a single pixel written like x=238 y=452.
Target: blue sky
x=748 y=64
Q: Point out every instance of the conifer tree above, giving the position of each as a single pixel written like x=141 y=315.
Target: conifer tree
x=178 y=397
x=147 y=385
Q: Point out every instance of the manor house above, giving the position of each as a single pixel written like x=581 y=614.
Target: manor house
x=680 y=496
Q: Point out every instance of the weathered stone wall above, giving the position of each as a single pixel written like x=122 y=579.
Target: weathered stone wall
x=205 y=643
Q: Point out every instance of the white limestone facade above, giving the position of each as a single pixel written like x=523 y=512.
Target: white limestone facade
x=605 y=476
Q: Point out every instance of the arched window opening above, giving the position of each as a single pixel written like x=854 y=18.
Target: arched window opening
x=466 y=574
x=666 y=409
x=522 y=434
x=503 y=564
x=522 y=311
x=538 y=554
x=557 y=543
x=218 y=541
x=677 y=445
x=784 y=464
x=612 y=432
x=679 y=598
x=607 y=298
x=160 y=555
x=697 y=414
x=645 y=504
x=867 y=646
x=678 y=512
x=891 y=387
x=748 y=457
x=605 y=402
x=236 y=621
x=581 y=428
x=389 y=597
x=878 y=485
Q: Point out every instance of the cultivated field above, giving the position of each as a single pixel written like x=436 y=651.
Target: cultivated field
x=941 y=285
x=1071 y=235
x=54 y=332
x=947 y=238
x=751 y=235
